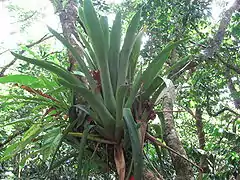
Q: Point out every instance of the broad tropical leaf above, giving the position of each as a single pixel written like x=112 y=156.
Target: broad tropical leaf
x=28 y=80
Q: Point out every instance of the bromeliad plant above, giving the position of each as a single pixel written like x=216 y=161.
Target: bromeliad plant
x=118 y=98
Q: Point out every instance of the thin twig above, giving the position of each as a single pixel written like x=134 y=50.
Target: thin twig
x=92 y=137
x=222 y=111
x=219 y=36
x=4 y=51
x=95 y=150
x=188 y=110
x=26 y=18
x=228 y=65
x=45 y=37
x=154 y=140
x=11 y=137
x=156 y=171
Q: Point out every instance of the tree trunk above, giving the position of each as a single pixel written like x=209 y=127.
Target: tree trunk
x=199 y=124
x=68 y=17
x=236 y=102
x=234 y=92
x=148 y=175
x=219 y=36
x=183 y=168
x=201 y=140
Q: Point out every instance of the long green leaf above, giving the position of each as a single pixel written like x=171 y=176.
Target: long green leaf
x=9 y=152
x=21 y=79
x=134 y=55
x=78 y=57
x=96 y=104
x=156 y=65
x=120 y=99
x=33 y=131
x=13 y=149
x=127 y=48
x=157 y=92
x=37 y=99
x=24 y=120
x=113 y=54
x=82 y=18
x=134 y=90
x=33 y=82
x=85 y=41
x=83 y=142
x=105 y=28
x=50 y=141
x=135 y=143
x=179 y=63
x=96 y=35
x=152 y=88
x=147 y=77
x=49 y=66
x=90 y=50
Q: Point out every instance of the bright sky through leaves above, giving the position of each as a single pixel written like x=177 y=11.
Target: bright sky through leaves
x=11 y=37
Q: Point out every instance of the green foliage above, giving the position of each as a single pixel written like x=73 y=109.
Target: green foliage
x=106 y=93
x=135 y=143
x=118 y=80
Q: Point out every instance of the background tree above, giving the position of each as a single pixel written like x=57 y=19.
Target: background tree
x=206 y=76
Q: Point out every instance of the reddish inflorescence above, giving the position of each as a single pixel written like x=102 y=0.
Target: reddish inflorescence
x=131 y=178
x=89 y=119
x=152 y=115
x=148 y=106
x=96 y=76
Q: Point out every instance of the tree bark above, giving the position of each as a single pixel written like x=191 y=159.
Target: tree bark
x=236 y=102
x=218 y=38
x=148 y=175
x=199 y=124
x=68 y=17
x=183 y=168
x=233 y=91
x=214 y=43
x=201 y=141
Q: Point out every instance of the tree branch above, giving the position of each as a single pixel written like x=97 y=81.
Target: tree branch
x=154 y=140
x=92 y=137
x=218 y=38
x=188 y=110
x=26 y=18
x=222 y=111
x=230 y=66
x=45 y=37
x=11 y=137
x=215 y=43
x=233 y=90
x=4 y=51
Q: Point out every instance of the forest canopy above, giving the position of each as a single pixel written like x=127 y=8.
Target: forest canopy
x=129 y=90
